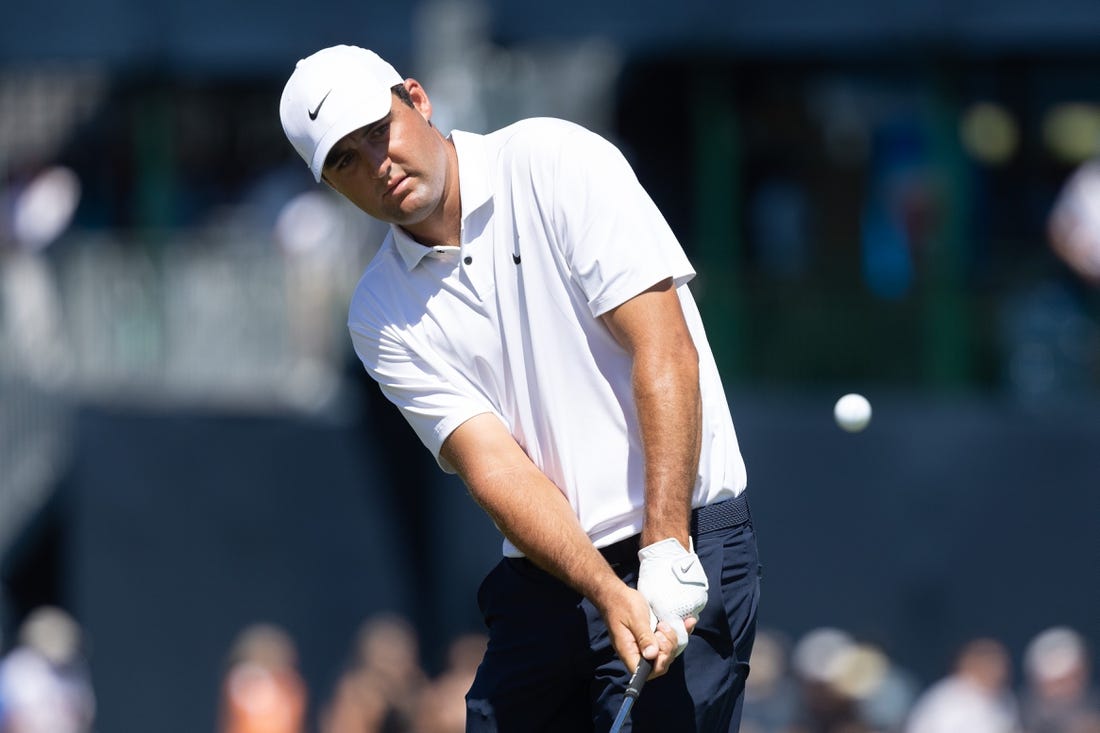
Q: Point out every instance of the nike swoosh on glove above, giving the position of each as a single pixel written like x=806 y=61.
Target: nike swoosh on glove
x=673 y=581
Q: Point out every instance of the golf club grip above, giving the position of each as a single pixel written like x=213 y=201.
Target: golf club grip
x=638 y=680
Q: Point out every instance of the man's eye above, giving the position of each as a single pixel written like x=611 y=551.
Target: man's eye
x=343 y=161
x=381 y=131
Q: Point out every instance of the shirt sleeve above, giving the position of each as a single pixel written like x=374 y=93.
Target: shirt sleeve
x=424 y=388
x=616 y=240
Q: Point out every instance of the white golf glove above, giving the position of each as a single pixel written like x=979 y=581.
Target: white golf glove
x=673 y=581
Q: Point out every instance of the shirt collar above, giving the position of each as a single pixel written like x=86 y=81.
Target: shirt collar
x=474 y=188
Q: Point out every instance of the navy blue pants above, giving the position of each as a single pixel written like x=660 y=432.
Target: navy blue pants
x=550 y=665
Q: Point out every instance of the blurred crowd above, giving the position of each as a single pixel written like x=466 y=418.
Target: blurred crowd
x=383 y=689
x=828 y=681
x=831 y=682
x=46 y=685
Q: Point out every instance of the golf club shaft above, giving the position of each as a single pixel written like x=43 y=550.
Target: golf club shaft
x=633 y=689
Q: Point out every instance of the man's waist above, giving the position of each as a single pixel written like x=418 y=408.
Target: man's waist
x=720 y=515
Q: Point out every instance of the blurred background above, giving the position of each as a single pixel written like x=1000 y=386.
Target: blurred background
x=208 y=517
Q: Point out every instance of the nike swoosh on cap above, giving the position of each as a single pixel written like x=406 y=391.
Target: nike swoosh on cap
x=314 y=113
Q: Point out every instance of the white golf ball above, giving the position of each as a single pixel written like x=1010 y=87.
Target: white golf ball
x=852 y=412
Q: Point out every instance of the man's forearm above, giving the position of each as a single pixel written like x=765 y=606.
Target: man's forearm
x=528 y=508
x=665 y=380
x=666 y=389
x=535 y=516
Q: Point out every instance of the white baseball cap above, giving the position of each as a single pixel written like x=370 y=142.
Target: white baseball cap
x=331 y=93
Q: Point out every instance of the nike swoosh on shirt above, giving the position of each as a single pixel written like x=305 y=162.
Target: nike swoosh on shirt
x=313 y=114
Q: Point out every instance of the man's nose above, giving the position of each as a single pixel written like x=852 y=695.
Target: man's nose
x=380 y=162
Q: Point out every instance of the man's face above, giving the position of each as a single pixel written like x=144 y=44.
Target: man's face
x=393 y=169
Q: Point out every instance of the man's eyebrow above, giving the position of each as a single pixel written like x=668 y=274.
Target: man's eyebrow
x=336 y=152
x=370 y=128
x=340 y=147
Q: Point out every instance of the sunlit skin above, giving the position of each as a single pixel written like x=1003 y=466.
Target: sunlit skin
x=401 y=170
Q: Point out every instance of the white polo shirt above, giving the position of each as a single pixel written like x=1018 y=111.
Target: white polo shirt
x=556 y=230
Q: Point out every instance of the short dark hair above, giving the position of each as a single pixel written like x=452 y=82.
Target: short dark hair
x=402 y=93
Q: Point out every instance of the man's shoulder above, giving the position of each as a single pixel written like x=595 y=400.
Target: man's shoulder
x=538 y=135
x=540 y=145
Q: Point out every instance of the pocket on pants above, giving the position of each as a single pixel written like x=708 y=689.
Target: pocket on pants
x=485 y=590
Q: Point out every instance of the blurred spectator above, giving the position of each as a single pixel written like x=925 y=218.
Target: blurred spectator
x=901 y=208
x=442 y=707
x=262 y=691
x=827 y=706
x=974 y=698
x=1073 y=227
x=44 y=681
x=1057 y=696
x=32 y=330
x=771 y=696
x=379 y=692
x=883 y=693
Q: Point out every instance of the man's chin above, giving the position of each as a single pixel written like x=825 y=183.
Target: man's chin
x=409 y=213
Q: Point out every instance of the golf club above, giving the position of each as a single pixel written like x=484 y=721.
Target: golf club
x=632 y=691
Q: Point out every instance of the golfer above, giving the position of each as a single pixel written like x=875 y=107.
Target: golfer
x=529 y=315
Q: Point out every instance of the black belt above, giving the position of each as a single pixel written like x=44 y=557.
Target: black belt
x=723 y=514
x=720 y=515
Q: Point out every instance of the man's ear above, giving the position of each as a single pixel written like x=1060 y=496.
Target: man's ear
x=421 y=102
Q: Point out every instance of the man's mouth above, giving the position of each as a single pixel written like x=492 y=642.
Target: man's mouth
x=397 y=185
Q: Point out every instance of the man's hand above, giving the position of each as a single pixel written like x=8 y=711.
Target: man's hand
x=632 y=633
x=674 y=583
